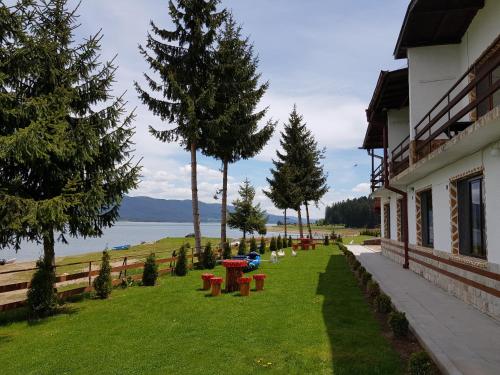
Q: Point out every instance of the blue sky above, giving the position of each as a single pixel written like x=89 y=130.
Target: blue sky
x=323 y=55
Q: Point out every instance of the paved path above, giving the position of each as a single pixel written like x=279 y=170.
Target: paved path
x=461 y=339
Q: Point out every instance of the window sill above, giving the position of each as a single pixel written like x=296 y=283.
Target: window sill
x=469 y=260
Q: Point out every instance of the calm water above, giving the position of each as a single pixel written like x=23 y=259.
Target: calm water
x=121 y=233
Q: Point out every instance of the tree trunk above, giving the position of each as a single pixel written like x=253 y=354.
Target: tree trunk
x=223 y=212
x=48 y=248
x=301 y=230
x=308 y=222
x=285 y=224
x=194 y=199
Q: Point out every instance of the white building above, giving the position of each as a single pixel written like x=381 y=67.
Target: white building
x=434 y=137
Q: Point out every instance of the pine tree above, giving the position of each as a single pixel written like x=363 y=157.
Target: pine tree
x=150 y=271
x=181 y=266
x=253 y=245
x=226 y=253
x=279 y=242
x=235 y=134
x=272 y=244
x=208 y=257
x=184 y=95
x=102 y=283
x=247 y=217
x=262 y=246
x=290 y=242
x=242 y=247
x=65 y=141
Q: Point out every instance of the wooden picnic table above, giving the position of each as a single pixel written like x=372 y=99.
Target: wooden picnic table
x=234 y=270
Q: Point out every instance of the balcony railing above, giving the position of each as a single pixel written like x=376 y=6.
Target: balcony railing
x=472 y=96
x=377 y=179
x=400 y=157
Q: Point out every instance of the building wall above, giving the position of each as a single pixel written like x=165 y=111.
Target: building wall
x=433 y=70
x=397 y=124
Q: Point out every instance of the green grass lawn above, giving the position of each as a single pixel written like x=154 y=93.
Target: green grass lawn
x=311 y=319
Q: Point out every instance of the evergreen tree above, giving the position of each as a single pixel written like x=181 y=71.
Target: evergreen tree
x=42 y=299
x=102 y=283
x=242 y=248
x=279 y=242
x=290 y=242
x=262 y=246
x=253 y=245
x=208 y=257
x=181 y=266
x=353 y=213
x=272 y=244
x=247 y=217
x=226 y=253
x=184 y=95
x=235 y=134
x=65 y=142
x=150 y=271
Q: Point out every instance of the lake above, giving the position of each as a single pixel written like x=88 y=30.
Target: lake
x=122 y=233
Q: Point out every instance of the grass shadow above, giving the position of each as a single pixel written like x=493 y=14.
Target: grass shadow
x=356 y=340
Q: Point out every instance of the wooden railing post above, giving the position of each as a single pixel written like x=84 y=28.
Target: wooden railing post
x=90 y=273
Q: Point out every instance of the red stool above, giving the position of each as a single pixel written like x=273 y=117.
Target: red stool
x=259 y=282
x=206 y=280
x=216 y=283
x=244 y=285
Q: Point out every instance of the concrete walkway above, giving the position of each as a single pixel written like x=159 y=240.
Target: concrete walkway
x=461 y=339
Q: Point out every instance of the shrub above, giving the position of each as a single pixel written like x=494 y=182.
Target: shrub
x=356 y=264
x=253 y=245
x=102 y=283
x=272 y=245
x=361 y=272
x=150 y=272
x=420 y=364
x=372 y=288
x=399 y=324
x=370 y=232
x=383 y=303
x=290 y=242
x=326 y=241
x=262 y=246
x=279 y=243
x=242 y=248
x=181 y=266
x=208 y=257
x=339 y=239
x=365 y=278
x=42 y=299
x=226 y=251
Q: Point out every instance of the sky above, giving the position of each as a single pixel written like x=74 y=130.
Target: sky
x=322 y=55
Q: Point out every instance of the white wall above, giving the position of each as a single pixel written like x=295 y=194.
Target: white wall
x=397 y=124
x=393 y=215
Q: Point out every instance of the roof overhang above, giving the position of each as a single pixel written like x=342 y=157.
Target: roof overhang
x=391 y=92
x=435 y=22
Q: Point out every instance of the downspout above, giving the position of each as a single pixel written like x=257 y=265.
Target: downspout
x=404 y=194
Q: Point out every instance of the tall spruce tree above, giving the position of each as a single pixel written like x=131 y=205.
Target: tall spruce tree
x=247 y=216
x=65 y=141
x=295 y=155
x=235 y=134
x=282 y=191
x=184 y=95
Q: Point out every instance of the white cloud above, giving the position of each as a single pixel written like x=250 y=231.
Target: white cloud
x=363 y=187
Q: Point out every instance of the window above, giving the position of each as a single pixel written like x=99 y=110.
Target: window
x=387 y=220
x=471 y=217
x=427 y=219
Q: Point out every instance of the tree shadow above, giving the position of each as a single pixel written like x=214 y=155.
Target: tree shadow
x=356 y=341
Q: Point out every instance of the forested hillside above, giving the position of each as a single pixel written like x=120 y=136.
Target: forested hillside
x=354 y=213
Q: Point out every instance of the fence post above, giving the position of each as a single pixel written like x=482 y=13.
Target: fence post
x=90 y=274
x=125 y=271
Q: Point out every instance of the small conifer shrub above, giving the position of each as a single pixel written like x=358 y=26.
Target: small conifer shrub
x=42 y=299
x=421 y=364
x=253 y=245
x=373 y=289
x=383 y=303
x=181 y=266
x=326 y=241
x=226 y=251
x=102 y=283
x=150 y=271
x=242 y=249
x=272 y=245
x=365 y=278
x=209 y=260
x=262 y=246
x=290 y=242
x=279 y=242
x=398 y=323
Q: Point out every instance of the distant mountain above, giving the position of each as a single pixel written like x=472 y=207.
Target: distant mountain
x=147 y=209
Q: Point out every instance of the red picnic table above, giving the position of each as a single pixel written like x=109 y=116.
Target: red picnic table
x=234 y=270
x=305 y=243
